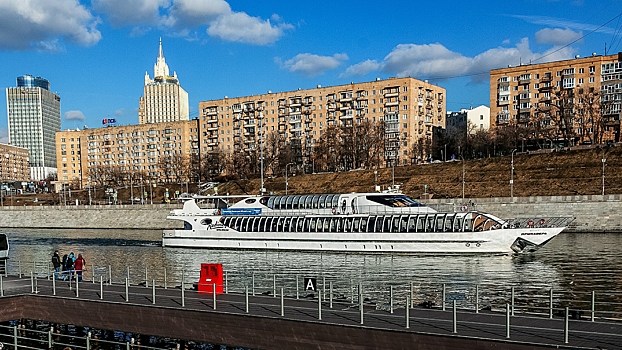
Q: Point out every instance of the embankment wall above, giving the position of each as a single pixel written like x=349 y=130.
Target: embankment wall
x=593 y=213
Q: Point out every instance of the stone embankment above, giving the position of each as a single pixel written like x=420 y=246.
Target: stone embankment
x=592 y=213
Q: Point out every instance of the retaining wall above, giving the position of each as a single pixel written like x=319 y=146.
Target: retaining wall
x=592 y=213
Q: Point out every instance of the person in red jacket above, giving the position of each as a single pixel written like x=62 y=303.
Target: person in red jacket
x=79 y=265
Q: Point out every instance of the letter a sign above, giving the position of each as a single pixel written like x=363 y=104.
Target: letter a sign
x=310 y=284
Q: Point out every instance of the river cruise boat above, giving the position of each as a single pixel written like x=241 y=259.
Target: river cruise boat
x=384 y=222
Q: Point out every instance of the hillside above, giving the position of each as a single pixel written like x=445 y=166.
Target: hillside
x=572 y=172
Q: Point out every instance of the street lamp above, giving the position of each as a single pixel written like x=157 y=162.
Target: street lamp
x=512 y=176
x=286 y=183
x=463 y=173
x=89 y=179
x=376 y=180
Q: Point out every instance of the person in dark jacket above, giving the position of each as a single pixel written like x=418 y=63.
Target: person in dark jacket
x=69 y=267
x=56 y=264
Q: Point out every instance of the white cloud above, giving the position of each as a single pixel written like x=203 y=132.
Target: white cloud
x=240 y=27
x=435 y=61
x=310 y=65
x=557 y=36
x=132 y=12
x=74 y=115
x=39 y=24
x=191 y=13
x=564 y=23
x=4 y=136
x=360 y=69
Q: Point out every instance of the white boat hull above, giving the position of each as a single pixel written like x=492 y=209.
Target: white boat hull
x=484 y=242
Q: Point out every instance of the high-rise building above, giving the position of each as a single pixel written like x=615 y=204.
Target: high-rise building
x=164 y=100
x=408 y=111
x=576 y=100
x=34 y=118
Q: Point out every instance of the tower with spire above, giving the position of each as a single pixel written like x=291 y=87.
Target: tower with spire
x=164 y=100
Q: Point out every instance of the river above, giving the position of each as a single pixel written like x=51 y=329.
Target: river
x=572 y=264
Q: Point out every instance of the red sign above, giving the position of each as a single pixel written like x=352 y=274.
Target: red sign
x=211 y=274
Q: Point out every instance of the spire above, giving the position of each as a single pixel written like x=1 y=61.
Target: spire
x=160 y=69
x=160 y=53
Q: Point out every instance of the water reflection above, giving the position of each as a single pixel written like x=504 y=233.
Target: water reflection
x=575 y=263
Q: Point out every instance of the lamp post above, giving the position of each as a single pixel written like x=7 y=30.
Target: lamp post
x=376 y=180
x=89 y=180
x=151 y=187
x=604 y=162
x=512 y=176
x=463 y=177
x=131 y=190
x=286 y=182
x=262 y=189
x=393 y=173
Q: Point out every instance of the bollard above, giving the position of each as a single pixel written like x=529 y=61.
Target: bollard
x=109 y=275
x=50 y=269
x=407 y=311
x=507 y=321
x=127 y=291
x=93 y=273
x=2 y=288
x=165 y=278
x=282 y=304
x=77 y=288
x=391 y=299
x=101 y=287
x=412 y=294
x=226 y=284
x=253 y=284
x=214 y=294
x=324 y=288
x=319 y=304
x=361 y=301
x=330 y=289
x=19 y=267
x=566 y=326
x=274 y=286
x=153 y=292
x=246 y=298
x=455 y=317
x=351 y=292
x=512 y=300
x=551 y=303
x=50 y=342
x=593 y=303
x=297 y=288
x=88 y=341
x=477 y=298
x=34 y=267
x=183 y=296
x=128 y=272
x=443 y=296
x=53 y=285
x=15 y=337
x=32 y=282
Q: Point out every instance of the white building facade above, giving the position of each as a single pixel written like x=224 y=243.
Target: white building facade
x=163 y=100
x=34 y=118
x=469 y=120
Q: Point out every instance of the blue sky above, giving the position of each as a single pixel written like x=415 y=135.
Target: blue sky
x=95 y=52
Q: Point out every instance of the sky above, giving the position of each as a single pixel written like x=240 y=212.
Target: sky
x=95 y=52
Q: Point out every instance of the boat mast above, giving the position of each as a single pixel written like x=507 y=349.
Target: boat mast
x=262 y=189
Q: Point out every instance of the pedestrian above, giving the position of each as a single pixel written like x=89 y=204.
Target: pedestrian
x=56 y=264
x=64 y=267
x=69 y=266
x=79 y=266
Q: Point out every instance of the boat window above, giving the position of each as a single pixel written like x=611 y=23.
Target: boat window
x=287 y=224
x=226 y=222
x=316 y=198
x=370 y=227
x=387 y=224
x=363 y=225
x=421 y=223
x=187 y=226
x=322 y=203
x=449 y=221
x=290 y=199
x=271 y=202
x=262 y=222
x=275 y=224
x=263 y=200
x=333 y=225
x=404 y=224
x=356 y=224
x=340 y=224
x=348 y=225
x=206 y=222
x=250 y=201
x=379 y=222
x=310 y=224
x=319 y=224
x=243 y=224
x=440 y=222
x=308 y=201
x=397 y=200
x=467 y=223
x=279 y=224
x=335 y=203
x=458 y=221
x=353 y=205
x=326 y=225
x=254 y=225
x=412 y=223
x=295 y=202
x=329 y=200
x=277 y=203
x=430 y=223
x=268 y=224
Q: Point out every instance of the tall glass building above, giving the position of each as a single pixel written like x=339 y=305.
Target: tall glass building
x=34 y=118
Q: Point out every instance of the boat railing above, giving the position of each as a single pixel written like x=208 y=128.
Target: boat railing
x=540 y=222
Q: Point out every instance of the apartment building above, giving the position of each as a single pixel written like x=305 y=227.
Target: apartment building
x=147 y=151
x=13 y=164
x=519 y=94
x=469 y=120
x=409 y=108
